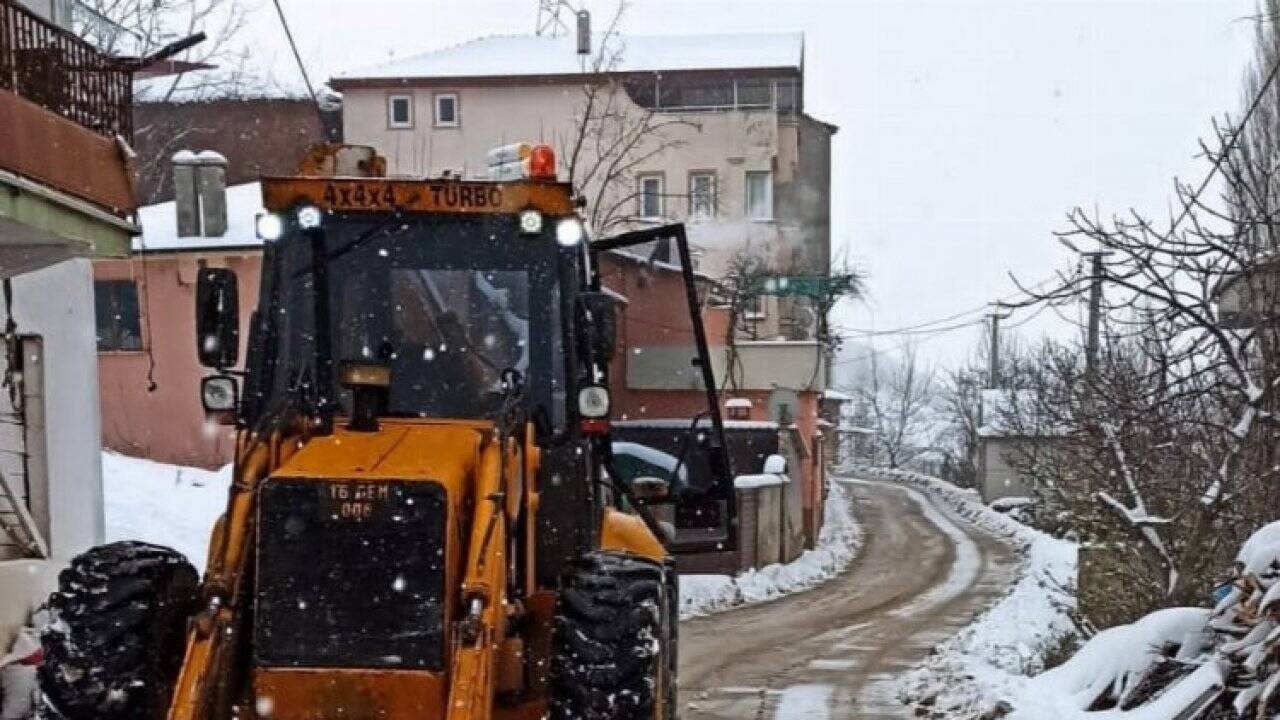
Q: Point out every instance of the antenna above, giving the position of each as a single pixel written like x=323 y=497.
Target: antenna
x=552 y=16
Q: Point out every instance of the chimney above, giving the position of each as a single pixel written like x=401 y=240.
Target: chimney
x=584 y=32
x=200 y=193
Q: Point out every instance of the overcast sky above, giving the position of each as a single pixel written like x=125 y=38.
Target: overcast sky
x=967 y=128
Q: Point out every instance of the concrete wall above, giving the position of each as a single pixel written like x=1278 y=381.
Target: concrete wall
x=56 y=303
x=167 y=422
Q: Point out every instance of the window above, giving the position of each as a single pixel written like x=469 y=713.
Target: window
x=702 y=195
x=760 y=195
x=447 y=110
x=787 y=100
x=755 y=93
x=118 y=320
x=754 y=308
x=400 y=111
x=651 y=197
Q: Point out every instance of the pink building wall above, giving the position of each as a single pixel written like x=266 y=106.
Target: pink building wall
x=151 y=397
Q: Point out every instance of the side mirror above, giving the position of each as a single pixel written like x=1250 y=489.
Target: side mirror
x=598 y=314
x=649 y=488
x=220 y=396
x=217 y=318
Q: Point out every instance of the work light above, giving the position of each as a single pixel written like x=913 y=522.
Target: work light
x=530 y=222
x=569 y=232
x=269 y=226
x=309 y=217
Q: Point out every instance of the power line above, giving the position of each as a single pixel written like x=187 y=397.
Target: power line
x=1235 y=135
x=301 y=66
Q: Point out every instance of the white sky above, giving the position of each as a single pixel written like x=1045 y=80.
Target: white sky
x=967 y=128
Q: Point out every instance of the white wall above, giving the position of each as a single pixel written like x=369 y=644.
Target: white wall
x=57 y=304
x=727 y=143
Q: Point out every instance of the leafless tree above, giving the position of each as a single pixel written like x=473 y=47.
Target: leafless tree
x=899 y=403
x=612 y=137
x=1169 y=446
x=139 y=27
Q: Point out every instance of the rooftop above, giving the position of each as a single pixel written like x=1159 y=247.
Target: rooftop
x=506 y=55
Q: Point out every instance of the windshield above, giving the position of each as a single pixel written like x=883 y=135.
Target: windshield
x=447 y=303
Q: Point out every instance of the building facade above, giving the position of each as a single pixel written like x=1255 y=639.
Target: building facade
x=718 y=139
x=58 y=209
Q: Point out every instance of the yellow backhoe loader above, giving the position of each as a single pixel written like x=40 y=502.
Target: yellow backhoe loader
x=423 y=524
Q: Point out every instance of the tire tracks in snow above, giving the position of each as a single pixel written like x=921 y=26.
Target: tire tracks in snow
x=831 y=653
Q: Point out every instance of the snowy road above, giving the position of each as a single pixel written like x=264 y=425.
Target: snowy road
x=830 y=653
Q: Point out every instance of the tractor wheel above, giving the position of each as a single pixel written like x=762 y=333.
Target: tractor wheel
x=611 y=630
x=115 y=643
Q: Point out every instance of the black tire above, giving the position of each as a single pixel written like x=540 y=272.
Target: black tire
x=115 y=643
x=611 y=626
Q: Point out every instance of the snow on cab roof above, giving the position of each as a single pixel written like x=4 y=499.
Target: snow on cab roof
x=160 y=224
x=504 y=55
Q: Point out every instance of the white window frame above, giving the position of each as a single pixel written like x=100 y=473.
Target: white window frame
x=641 y=195
x=760 y=311
x=457 y=109
x=767 y=204
x=392 y=123
x=711 y=199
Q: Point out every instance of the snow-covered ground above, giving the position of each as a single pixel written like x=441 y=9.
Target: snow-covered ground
x=992 y=659
x=163 y=504
x=836 y=547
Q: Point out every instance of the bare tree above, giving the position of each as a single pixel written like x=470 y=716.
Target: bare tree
x=1169 y=447
x=613 y=137
x=899 y=403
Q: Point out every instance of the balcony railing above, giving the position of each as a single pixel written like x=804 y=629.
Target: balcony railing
x=62 y=73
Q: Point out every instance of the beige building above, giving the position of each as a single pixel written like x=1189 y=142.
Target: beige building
x=726 y=147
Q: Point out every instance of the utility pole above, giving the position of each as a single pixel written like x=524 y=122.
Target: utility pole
x=993 y=371
x=1095 y=311
x=1097 y=272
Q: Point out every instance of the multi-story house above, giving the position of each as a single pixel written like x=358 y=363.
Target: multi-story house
x=65 y=197
x=714 y=134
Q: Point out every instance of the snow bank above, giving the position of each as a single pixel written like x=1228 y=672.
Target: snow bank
x=164 y=504
x=1113 y=660
x=837 y=545
x=991 y=658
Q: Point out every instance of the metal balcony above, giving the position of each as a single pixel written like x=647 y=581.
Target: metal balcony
x=62 y=73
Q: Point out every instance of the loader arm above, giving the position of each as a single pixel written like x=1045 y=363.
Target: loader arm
x=484 y=586
x=205 y=684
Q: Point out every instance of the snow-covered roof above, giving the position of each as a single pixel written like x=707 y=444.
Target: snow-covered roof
x=761 y=480
x=160 y=224
x=836 y=395
x=738 y=403
x=505 y=55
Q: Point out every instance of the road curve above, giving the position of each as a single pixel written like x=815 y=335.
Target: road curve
x=831 y=653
